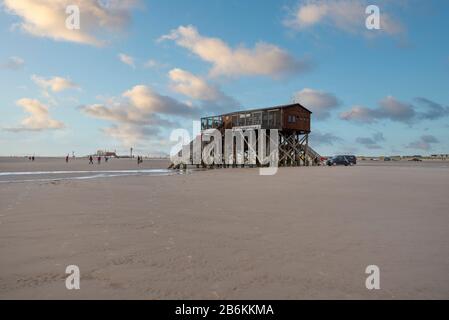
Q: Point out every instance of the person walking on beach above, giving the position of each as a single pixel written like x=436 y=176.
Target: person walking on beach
x=67 y=159
x=91 y=160
x=139 y=160
x=99 y=160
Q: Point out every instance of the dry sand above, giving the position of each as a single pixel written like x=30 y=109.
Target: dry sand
x=227 y=233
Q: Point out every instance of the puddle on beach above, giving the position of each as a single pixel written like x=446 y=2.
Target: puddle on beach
x=48 y=176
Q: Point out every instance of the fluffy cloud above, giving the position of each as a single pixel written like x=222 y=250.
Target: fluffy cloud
x=13 y=63
x=126 y=59
x=319 y=102
x=359 y=113
x=263 y=60
x=423 y=143
x=55 y=84
x=131 y=135
x=346 y=15
x=395 y=110
x=192 y=86
x=371 y=142
x=39 y=118
x=389 y=108
x=195 y=87
x=138 y=114
x=146 y=100
x=47 y=18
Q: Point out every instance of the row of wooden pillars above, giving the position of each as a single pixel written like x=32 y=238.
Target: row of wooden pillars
x=292 y=151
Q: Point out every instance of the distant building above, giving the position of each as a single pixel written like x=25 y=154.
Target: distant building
x=102 y=153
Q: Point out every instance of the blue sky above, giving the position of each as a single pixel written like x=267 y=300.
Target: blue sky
x=142 y=68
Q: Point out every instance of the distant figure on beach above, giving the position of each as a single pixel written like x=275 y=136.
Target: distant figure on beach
x=139 y=160
x=67 y=159
x=99 y=160
x=91 y=160
x=32 y=158
x=29 y=158
x=106 y=159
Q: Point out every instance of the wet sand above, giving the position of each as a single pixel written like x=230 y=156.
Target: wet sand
x=227 y=233
x=9 y=164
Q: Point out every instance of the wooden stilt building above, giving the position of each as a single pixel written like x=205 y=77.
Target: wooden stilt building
x=292 y=122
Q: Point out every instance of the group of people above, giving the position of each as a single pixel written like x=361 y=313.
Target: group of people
x=31 y=158
x=91 y=159
x=139 y=160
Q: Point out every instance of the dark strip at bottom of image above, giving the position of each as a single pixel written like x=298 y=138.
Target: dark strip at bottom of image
x=232 y=309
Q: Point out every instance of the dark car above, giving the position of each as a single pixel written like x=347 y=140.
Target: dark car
x=338 y=160
x=416 y=159
x=352 y=159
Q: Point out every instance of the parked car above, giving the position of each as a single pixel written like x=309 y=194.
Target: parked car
x=387 y=159
x=415 y=159
x=338 y=160
x=352 y=159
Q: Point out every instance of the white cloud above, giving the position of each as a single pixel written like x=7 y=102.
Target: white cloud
x=319 y=102
x=47 y=18
x=263 y=60
x=13 y=63
x=195 y=87
x=39 y=118
x=359 y=113
x=131 y=135
x=146 y=100
x=346 y=15
x=309 y=15
x=139 y=114
x=55 y=84
x=395 y=110
x=126 y=59
x=192 y=86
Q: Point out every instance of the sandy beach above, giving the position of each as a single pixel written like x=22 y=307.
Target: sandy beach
x=304 y=233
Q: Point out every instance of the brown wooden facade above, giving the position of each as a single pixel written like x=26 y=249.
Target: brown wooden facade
x=292 y=117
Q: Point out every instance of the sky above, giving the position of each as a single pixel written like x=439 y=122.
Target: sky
x=136 y=70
